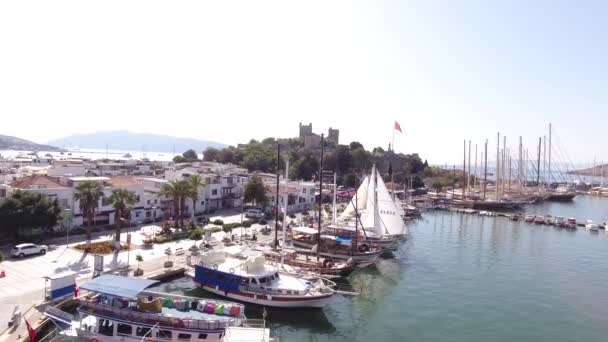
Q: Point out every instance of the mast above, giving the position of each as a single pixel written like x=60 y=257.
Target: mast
x=549 y=164
x=485 y=170
x=469 y=172
x=520 y=168
x=320 y=196
x=464 y=170
x=475 y=171
x=276 y=211
x=545 y=161
x=540 y=142
x=503 y=165
x=497 y=164
x=285 y=207
x=509 y=173
x=354 y=244
x=334 y=212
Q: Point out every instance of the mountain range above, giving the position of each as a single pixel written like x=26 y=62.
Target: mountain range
x=125 y=140
x=12 y=143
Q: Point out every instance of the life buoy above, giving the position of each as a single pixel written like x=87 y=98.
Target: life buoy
x=178 y=323
x=363 y=248
x=215 y=266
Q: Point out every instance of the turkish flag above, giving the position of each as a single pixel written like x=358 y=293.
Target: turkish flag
x=30 y=331
x=398 y=127
x=75 y=289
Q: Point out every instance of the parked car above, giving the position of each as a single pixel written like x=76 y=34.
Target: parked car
x=26 y=249
x=254 y=213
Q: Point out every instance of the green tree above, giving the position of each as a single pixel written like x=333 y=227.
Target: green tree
x=122 y=201
x=355 y=145
x=255 y=191
x=305 y=167
x=179 y=159
x=344 y=160
x=195 y=181
x=211 y=154
x=361 y=160
x=259 y=157
x=88 y=193
x=25 y=210
x=190 y=155
x=178 y=191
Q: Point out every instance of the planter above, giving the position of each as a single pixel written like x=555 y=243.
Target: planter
x=138 y=272
x=168 y=263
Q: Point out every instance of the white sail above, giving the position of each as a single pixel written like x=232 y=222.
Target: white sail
x=370 y=220
x=388 y=211
x=361 y=198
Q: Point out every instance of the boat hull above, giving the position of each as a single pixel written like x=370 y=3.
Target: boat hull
x=316 y=302
x=357 y=257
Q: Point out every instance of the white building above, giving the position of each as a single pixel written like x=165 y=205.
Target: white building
x=300 y=195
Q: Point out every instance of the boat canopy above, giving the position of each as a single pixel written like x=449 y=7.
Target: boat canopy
x=118 y=286
x=305 y=230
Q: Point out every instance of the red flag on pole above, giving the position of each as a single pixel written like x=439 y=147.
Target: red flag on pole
x=30 y=331
x=398 y=127
x=75 y=289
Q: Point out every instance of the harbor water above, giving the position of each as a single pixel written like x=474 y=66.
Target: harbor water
x=464 y=277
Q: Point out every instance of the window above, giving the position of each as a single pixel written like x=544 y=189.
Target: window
x=148 y=214
x=105 y=201
x=202 y=202
x=124 y=329
x=137 y=198
x=253 y=281
x=106 y=327
x=202 y=336
x=184 y=337
x=214 y=192
x=2 y=192
x=140 y=331
x=304 y=190
x=263 y=280
x=137 y=214
x=64 y=202
x=148 y=202
x=164 y=334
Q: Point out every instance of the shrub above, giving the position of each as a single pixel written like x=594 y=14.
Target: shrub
x=213 y=229
x=196 y=234
x=293 y=216
x=101 y=247
x=247 y=223
x=232 y=225
x=305 y=213
x=227 y=229
x=263 y=221
x=218 y=222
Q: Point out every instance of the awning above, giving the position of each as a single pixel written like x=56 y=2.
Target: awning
x=118 y=286
x=305 y=230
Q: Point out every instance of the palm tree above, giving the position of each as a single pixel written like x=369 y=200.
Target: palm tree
x=195 y=181
x=88 y=193
x=122 y=200
x=178 y=191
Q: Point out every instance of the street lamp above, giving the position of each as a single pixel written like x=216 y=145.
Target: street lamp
x=128 y=242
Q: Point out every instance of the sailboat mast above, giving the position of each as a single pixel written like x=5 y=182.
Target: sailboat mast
x=320 y=196
x=334 y=213
x=485 y=170
x=540 y=142
x=354 y=243
x=521 y=167
x=276 y=211
x=549 y=164
x=285 y=207
x=464 y=170
x=503 y=176
x=545 y=160
x=497 y=164
x=475 y=170
x=469 y=171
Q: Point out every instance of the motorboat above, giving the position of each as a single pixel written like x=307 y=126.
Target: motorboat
x=591 y=225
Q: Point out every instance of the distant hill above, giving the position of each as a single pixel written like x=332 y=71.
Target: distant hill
x=13 y=143
x=591 y=171
x=125 y=140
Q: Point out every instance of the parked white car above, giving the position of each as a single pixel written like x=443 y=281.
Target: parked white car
x=255 y=213
x=26 y=249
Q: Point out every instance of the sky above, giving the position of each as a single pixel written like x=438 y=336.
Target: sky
x=229 y=71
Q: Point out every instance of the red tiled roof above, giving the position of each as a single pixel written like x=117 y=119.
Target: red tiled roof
x=37 y=181
x=124 y=180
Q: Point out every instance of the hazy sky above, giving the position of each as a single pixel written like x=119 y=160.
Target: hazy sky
x=233 y=70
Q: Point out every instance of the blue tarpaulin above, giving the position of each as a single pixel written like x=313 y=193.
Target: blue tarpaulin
x=118 y=286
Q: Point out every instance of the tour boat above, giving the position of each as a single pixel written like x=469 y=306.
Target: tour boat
x=333 y=246
x=244 y=275
x=571 y=222
x=539 y=219
x=308 y=261
x=529 y=218
x=120 y=309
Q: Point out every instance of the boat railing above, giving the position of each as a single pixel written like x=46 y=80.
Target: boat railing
x=153 y=318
